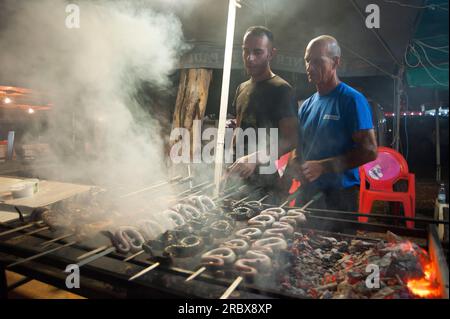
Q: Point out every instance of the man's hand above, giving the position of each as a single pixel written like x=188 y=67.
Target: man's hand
x=312 y=170
x=244 y=166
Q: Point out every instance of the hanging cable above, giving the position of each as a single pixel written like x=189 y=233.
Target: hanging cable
x=429 y=6
x=406 y=58
x=429 y=60
x=441 y=49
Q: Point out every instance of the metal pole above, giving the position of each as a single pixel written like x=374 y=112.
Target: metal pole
x=398 y=94
x=438 y=138
x=224 y=95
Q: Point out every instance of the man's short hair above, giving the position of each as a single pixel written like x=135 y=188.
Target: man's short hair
x=260 y=31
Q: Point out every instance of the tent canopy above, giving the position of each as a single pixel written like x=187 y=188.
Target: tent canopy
x=427 y=54
x=366 y=52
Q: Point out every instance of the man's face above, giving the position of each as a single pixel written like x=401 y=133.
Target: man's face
x=320 y=68
x=257 y=52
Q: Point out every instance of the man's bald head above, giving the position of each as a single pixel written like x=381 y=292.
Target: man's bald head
x=328 y=43
x=322 y=58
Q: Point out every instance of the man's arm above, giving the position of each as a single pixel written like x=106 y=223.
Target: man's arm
x=288 y=135
x=288 y=131
x=364 y=152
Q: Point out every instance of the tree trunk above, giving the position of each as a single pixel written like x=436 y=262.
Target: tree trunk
x=191 y=100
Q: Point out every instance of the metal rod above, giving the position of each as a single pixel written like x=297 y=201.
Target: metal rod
x=284 y=204
x=262 y=199
x=228 y=56
x=195 y=274
x=143 y=272
x=232 y=287
x=95 y=257
x=134 y=255
x=307 y=204
x=49 y=242
x=93 y=252
x=31 y=233
x=402 y=218
x=40 y=254
x=159 y=184
x=19 y=228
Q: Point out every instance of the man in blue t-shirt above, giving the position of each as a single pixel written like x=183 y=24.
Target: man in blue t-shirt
x=336 y=133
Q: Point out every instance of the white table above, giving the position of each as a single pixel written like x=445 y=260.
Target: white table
x=49 y=192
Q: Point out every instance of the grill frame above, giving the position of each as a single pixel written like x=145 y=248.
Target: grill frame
x=107 y=282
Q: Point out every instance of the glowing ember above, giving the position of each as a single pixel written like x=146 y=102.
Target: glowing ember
x=427 y=286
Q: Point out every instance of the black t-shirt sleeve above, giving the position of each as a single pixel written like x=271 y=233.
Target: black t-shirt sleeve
x=286 y=103
x=233 y=109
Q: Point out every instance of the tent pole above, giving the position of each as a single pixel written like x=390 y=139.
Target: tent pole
x=438 y=137
x=224 y=95
x=398 y=93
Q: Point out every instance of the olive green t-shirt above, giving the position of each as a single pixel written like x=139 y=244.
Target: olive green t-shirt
x=262 y=105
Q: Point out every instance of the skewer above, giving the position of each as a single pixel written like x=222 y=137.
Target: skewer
x=195 y=274
x=159 y=184
x=232 y=287
x=134 y=255
x=31 y=232
x=40 y=254
x=19 y=228
x=93 y=252
x=143 y=272
x=96 y=256
x=51 y=241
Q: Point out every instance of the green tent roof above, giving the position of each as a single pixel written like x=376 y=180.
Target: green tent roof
x=427 y=54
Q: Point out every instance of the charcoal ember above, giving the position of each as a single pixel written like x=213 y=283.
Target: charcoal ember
x=344 y=291
x=355 y=277
x=343 y=249
x=327 y=295
x=383 y=293
x=406 y=265
x=331 y=240
x=359 y=246
x=326 y=258
x=361 y=288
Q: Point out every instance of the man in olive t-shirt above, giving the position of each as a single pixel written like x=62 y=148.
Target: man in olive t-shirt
x=264 y=101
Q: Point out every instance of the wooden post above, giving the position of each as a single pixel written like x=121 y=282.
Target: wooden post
x=191 y=100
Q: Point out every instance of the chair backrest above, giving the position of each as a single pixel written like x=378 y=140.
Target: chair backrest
x=386 y=170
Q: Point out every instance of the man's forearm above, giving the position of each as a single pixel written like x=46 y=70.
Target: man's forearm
x=352 y=159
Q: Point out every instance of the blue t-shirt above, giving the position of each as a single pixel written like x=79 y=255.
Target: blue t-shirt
x=326 y=125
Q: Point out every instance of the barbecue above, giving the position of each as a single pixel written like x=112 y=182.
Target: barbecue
x=220 y=247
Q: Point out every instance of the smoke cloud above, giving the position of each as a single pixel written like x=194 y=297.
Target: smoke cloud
x=94 y=75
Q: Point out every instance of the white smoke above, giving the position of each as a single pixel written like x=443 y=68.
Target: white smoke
x=92 y=74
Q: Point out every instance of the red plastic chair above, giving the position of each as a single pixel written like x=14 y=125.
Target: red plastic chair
x=381 y=174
